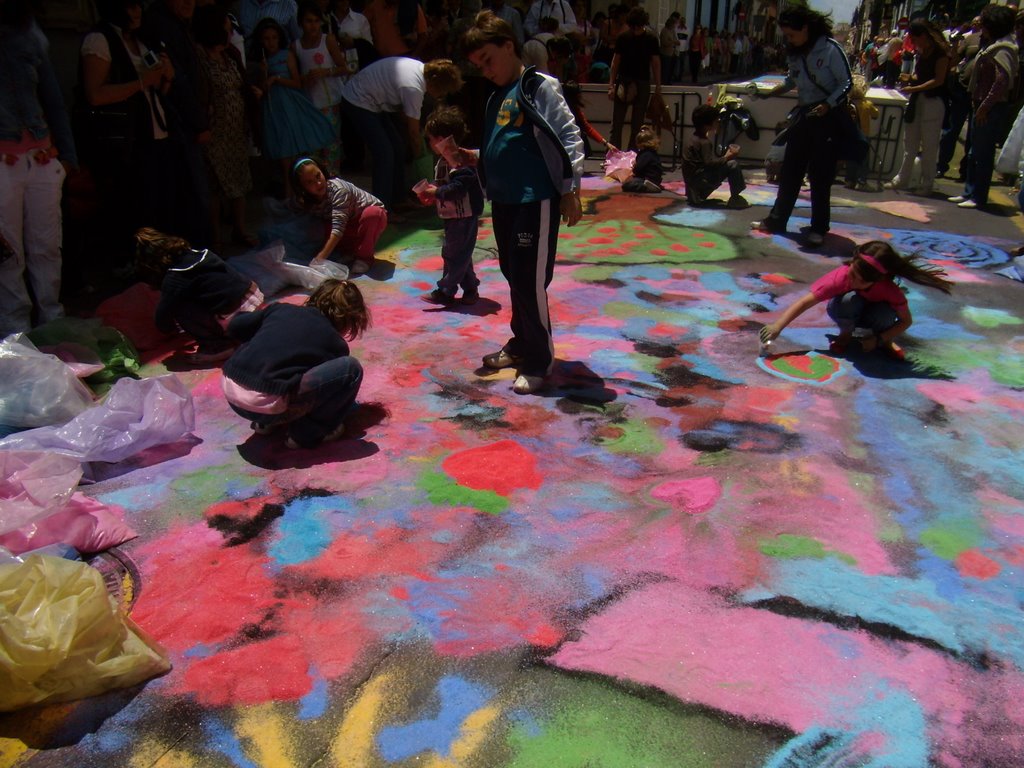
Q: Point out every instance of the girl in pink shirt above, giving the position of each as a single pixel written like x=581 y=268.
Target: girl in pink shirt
x=862 y=294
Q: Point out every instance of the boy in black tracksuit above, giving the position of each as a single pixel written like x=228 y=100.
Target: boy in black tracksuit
x=531 y=159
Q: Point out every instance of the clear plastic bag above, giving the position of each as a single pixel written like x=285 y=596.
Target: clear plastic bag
x=37 y=389
x=34 y=485
x=62 y=636
x=134 y=416
x=269 y=270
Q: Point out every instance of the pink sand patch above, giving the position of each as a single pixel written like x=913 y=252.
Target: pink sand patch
x=430 y=263
x=957 y=397
x=903 y=210
x=501 y=467
x=778 y=669
x=695 y=495
x=973 y=564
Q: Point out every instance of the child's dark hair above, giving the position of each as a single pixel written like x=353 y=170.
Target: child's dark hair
x=647 y=138
x=703 y=116
x=341 y=302
x=302 y=197
x=447 y=121
x=256 y=50
x=308 y=7
x=488 y=28
x=877 y=260
x=156 y=252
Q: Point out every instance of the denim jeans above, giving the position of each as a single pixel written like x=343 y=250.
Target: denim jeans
x=457 y=252
x=325 y=396
x=851 y=311
x=982 y=156
x=959 y=110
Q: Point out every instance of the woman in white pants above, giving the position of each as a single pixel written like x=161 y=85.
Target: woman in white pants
x=32 y=120
x=922 y=122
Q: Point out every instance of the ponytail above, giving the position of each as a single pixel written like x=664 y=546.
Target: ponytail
x=877 y=260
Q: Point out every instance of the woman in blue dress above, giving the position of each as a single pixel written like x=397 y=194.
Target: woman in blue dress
x=292 y=126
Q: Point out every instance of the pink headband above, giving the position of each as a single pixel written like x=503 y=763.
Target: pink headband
x=874 y=263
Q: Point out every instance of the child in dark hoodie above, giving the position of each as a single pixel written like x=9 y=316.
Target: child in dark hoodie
x=199 y=292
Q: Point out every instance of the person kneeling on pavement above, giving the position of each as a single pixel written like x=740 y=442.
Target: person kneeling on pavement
x=704 y=168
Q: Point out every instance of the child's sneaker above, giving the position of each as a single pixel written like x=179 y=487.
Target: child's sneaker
x=737 y=203
x=894 y=350
x=437 y=296
x=768 y=226
x=335 y=434
x=470 y=296
x=501 y=359
x=359 y=267
x=527 y=385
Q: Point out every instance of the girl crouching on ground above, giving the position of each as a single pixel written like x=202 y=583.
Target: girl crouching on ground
x=863 y=294
x=293 y=367
x=355 y=218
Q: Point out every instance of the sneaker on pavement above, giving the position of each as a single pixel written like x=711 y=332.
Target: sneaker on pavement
x=895 y=351
x=967 y=204
x=737 y=203
x=470 y=296
x=359 y=267
x=335 y=434
x=527 y=385
x=837 y=346
x=814 y=239
x=437 y=296
x=956 y=199
x=767 y=226
x=501 y=359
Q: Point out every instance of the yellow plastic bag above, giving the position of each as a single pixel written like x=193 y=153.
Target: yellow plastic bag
x=62 y=636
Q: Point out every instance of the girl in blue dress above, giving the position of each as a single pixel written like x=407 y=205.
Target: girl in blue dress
x=292 y=126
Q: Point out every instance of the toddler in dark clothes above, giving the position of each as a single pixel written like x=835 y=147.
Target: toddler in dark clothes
x=199 y=292
x=647 y=170
x=293 y=368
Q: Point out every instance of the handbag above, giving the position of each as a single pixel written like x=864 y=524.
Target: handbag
x=784 y=130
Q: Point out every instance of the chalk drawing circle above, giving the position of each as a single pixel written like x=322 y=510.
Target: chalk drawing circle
x=803 y=367
x=697 y=218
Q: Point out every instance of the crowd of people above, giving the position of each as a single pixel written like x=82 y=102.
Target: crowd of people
x=174 y=101
x=953 y=75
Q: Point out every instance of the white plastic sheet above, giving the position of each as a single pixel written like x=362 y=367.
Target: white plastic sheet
x=37 y=389
x=134 y=416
